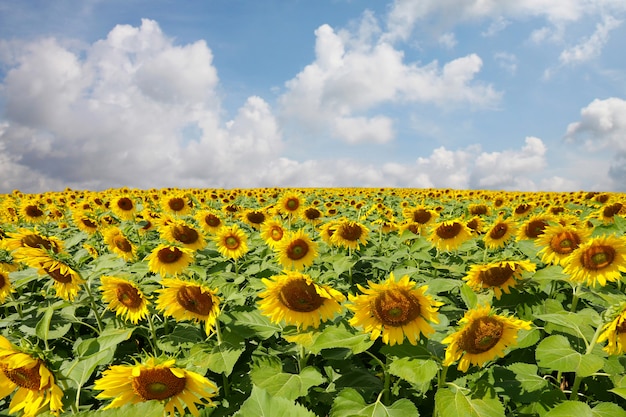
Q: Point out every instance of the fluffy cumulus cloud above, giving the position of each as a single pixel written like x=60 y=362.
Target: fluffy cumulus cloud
x=602 y=129
x=117 y=111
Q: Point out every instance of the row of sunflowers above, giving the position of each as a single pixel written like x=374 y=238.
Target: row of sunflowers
x=312 y=302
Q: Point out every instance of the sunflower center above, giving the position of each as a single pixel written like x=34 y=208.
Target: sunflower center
x=535 y=228
x=157 y=384
x=35 y=241
x=60 y=277
x=184 y=234
x=292 y=204
x=212 y=220
x=473 y=224
x=128 y=295
x=498 y=231
x=33 y=211
x=3 y=280
x=621 y=327
x=192 y=298
x=396 y=308
x=449 y=231
x=483 y=334
x=176 y=204
x=276 y=233
x=414 y=229
x=564 y=242
x=169 y=255
x=496 y=276
x=301 y=296
x=256 y=217
x=597 y=257
x=312 y=213
x=231 y=242
x=612 y=210
x=297 y=249
x=351 y=232
x=88 y=223
x=522 y=208
x=125 y=203
x=421 y=216
x=478 y=210
x=122 y=244
x=23 y=377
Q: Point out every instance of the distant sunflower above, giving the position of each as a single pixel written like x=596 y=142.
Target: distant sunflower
x=85 y=221
x=449 y=234
x=169 y=260
x=66 y=281
x=181 y=232
x=598 y=260
x=290 y=204
x=273 y=232
x=177 y=388
x=185 y=300
x=232 y=242
x=312 y=215
x=614 y=333
x=349 y=234
x=500 y=232
x=394 y=309
x=31 y=211
x=124 y=297
x=32 y=383
x=534 y=227
x=209 y=220
x=5 y=285
x=118 y=243
x=296 y=299
x=498 y=276
x=559 y=241
x=296 y=251
x=254 y=217
x=123 y=207
x=177 y=204
x=421 y=215
x=483 y=336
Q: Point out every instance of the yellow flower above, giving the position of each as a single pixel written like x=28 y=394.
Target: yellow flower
x=499 y=276
x=124 y=298
x=254 y=217
x=22 y=243
x=32 y=383
x=272 y=232
x=124 y=207
x=184 y=300
x=177 y=203
x=534 y=227
x=296 y=251
x=482 y=337
x=180 y=232
x=500 y=232
x=169 y=260
x=349 y=234
x=289 y=204
x=177 y=388
x=5 y=285
x=421 y=216
x=449 y=234
x=209 y=220
x=66 y=281
x=31 y=212
x=118 y=243
x=394 y=310
x=559 y=241
x=598 y=260
x=296 y=299
x=232 y=242
x=615 y=333
x=85 y=221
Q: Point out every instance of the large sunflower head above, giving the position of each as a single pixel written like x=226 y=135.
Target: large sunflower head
x=420 y=214
x=394 y=309
x=449 y=234
x=32 y=384
x=177 y=388
x=295 y=299
x=290 y=204
x=85 y=221
x=176 y=203
x=181 y=232
x=614 y=333
x=31 y=239
x=296 y=251
x=118 y=243
x=232 y=242
x=483 y=336
x=254 y=217
x=499 y=233
x=31 y=211
x=498 y=276
x=185 y=300
x=598 y=260
x=534 y=227
x=169 y=260
x=273 y=232
x=66 y=281
x=559 y=241
x=124 y=207
x=124 y=297
x=209 y=220
x=349 y=234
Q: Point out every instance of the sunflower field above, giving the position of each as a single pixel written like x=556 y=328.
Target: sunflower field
x=305 y=302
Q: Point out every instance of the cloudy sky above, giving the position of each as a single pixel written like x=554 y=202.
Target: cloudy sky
x=482 y=94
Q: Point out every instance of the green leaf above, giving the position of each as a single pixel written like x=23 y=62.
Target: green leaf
x=527 y=375
x=262 y=404
x=457 y=404
x=469 y=296
x=341 y=337
x=608 y=410
x=47 y=328
x=251 y=322
x=342 y=263
x=619 y=391
x=555 y=353
x=583 y=323
x=143 y=409
x=291 y=386
x=419 y=372
x=349 y=403
x=569 y=409
x=81 y=369
x=551 y=273
x=223 y=357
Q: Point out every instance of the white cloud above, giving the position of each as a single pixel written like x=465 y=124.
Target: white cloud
x=506 y=61
x=590 y=47
x=496 y=26
x=448 y=40
x=378 y=129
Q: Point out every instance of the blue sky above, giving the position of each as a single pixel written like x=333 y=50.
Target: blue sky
x=514 y=95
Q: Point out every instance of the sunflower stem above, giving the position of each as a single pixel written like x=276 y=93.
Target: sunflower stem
x=153 y=342
x=578 y=379
x=575 y=298
x=225 y=381
x=386 y=378
x=94 y=307
x=18 y=306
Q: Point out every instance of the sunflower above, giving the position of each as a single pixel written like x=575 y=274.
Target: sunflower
x=254 y=217
x=118 y=243
x=169 y=259
x=66 y=281
x=232 y=242
x=5 y=285
x=598 y=260
x=394 y=310
x=124 y=298
x=483 y=336
x=123 y=207
x=349 y=234
x=209 y=220
x=615 y=333
x=296 y=251
x=500 y=232
x=289 y=204
x=534 y=227
x=499 y=276
x=449 y=234
x=32 y=382
x=22 y=242
x=312 y=215
x=327 y=230
x=177 y=204
x=185 y=300
x=559 y=241
x=181 y=232
x=296 y=299
x=30 y=211
x=85 y=221
x=272 y=232
x=177 y=388
x=420 y=215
